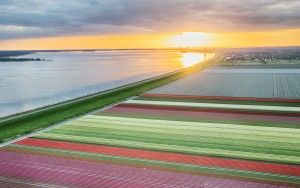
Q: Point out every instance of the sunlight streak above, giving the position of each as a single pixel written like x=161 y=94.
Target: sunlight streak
x=189 y=59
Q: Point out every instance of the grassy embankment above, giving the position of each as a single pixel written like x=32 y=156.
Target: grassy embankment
x=27 y=122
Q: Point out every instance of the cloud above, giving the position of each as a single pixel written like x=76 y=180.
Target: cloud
x=43 y=18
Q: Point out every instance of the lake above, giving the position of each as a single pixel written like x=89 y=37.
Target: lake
x=70 y=74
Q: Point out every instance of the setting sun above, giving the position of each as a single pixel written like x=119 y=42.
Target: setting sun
x=190 y=40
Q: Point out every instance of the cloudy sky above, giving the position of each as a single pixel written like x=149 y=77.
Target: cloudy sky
x=23 y=19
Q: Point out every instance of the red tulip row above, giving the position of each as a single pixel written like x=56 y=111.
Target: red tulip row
x=40 y=171
x=168 y=157
x=137 y=110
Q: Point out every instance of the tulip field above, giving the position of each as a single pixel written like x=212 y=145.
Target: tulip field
x=159 y=140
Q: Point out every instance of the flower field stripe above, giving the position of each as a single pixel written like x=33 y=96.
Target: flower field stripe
x=156 y=139
x=249 y=119
x=200 y=145
x=194 y=138
x=194 y=130
x=216 y=101
x=172 y=96
x=107 y=128
x=173 y=142
x=212 y=110
x=103 y=128
x=216 y=105
x=15 y=183
x=163 y=164
x=168 y=123
x=109 y=175
x=88 y=174
x=174 y=148
x=163 y=156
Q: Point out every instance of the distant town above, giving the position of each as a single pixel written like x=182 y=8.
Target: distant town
x=286 y=55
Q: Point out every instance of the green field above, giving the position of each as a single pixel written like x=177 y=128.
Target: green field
x=239 y=141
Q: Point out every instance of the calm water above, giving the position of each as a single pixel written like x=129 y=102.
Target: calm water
x=28 y=85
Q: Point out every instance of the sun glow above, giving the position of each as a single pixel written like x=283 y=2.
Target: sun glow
x=192 y=58
x=287 y=37
x=190 y=40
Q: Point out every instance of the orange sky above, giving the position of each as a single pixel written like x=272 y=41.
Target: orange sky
x=90 y=24
x=289 y=37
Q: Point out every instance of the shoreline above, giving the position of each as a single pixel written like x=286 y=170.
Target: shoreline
x=18 y=125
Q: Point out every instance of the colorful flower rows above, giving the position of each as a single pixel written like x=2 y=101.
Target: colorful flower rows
x=155 y=141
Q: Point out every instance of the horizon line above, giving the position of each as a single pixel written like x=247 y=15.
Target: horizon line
x=167 y=48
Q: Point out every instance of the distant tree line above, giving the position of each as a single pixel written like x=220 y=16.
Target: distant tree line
x=9 y=59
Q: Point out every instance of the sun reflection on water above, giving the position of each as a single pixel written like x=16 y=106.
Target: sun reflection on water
x=191 y=58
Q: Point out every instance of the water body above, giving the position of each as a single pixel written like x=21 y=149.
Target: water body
x=28 y=85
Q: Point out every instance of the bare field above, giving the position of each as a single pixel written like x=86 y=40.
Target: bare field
x=239 y=82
